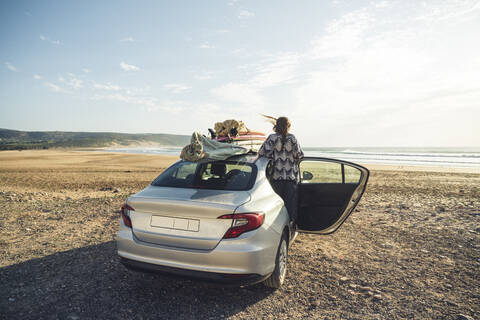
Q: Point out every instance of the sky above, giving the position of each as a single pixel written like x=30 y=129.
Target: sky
x=346 y=73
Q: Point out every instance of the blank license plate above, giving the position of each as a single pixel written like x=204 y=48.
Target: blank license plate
x=175 y=223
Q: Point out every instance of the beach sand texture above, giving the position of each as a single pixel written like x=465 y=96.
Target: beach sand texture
x=411 y=249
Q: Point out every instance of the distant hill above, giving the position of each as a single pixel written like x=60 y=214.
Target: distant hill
x=19 y=140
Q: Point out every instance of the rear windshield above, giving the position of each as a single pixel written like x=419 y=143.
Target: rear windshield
x=219 y=175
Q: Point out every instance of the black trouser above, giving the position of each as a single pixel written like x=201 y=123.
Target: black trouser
x=287 y=190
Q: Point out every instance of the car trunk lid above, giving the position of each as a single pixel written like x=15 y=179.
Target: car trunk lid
x=183 y=217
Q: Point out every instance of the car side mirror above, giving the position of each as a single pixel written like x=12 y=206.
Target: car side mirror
x=307 y=175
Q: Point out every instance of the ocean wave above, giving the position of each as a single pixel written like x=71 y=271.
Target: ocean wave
x=403 y=154
x=453 y=158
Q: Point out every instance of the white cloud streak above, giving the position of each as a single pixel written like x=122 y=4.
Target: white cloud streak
x=127 y=39
x=204 y=76
x=55 y=88
x=137 y=97
x=176 y=87
x=46 y=38
x=151 y=104
x=11 y=67
x=206 y=45
x=75 y=83
x=37 y=77
x=240 y=95
x=128 y=67
x=107 y=86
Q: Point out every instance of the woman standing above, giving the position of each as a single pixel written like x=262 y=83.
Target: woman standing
x=282 y=147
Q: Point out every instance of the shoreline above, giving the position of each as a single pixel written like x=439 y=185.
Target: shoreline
x=23 y=155
x=376 y=165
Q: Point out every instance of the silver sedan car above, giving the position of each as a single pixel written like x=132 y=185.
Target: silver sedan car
x=222 y=221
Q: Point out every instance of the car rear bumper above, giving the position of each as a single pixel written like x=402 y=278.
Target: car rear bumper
x=252 y=254
x=240 y=279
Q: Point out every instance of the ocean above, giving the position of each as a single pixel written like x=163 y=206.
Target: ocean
x=444 y=157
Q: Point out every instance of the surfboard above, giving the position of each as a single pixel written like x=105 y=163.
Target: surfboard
x=255 y=133
x=242 y=137
x=247 y=142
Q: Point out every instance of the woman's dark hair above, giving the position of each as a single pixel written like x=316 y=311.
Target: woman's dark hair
x=282 y=127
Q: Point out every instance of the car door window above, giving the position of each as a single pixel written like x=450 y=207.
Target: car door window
x=321 y=172
x=352 y=175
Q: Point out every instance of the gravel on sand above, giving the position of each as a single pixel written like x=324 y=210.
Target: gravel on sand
x=411 y=249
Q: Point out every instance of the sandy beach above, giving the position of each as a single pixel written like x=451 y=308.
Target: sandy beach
x=411 y=249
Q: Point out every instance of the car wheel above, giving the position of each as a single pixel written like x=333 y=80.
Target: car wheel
x=279 y=273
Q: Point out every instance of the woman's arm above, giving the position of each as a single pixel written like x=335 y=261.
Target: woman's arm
x=266 y=150
x=297 y=150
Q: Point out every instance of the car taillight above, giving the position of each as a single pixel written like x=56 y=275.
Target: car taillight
x=126 y=214
x=242 y=222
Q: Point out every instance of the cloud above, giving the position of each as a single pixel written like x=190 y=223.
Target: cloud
x=176 y=88
x=11 y=67
x=449 y=10
x=134 y=91
x=46 y=38
x=343 y=35
x=281 y=70
x=127 y=91
x=206 y=45
x=370 y=72
x=128 y=67
x=382 y=4
x=149 y=103
x=266 y=74
x=204 y=76
x=86 y=70
x=241 y=95
x=55 y=88
x=71 y=81
x=37 y=77
x=107 y=86
x=127 y=39
x=75 y=83
x=245 y=14
x=385 y=67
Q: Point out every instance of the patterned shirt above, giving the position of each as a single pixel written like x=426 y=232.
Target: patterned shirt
x=285 y=156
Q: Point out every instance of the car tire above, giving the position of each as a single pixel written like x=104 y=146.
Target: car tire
x=278 y=276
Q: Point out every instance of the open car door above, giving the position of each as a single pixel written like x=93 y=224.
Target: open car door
x=328 y=192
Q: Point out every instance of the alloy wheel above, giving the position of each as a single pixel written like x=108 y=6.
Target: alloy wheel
x=282 y=260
